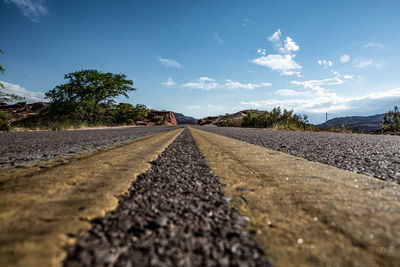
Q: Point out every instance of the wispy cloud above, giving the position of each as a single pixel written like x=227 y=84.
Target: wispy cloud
x=32 y=9
x=218 y=38
x=345 y=58
x=316 y=84
x=290 y=92
x=284 y=62
x=206 y=83
x=374 y=45
x=305 y=102
x=169 y=62
x=368 y=62
x=169 y=83
x=30 y=96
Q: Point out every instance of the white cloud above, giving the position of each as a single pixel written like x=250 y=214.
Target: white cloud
x=169 y=83
x=316 y=84
x=32 y=9
x=330 y=102
x=374 y=45
x=30 y=96
x=282 y=63
x=206 y=83
x=348 y=77
x=218 y=38
x=390 y=93
x=262 y=51
x=290 y=93
x=318 y=100
x=169 y=62
x=290 y=45
x=275 y=37
x=326 y=63
x=345 y=58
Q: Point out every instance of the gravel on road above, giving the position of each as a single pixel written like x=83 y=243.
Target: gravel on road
x=174 y=215
x=18 y=148
x=373 y=155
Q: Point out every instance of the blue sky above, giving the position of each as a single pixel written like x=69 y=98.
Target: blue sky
x=205 y=58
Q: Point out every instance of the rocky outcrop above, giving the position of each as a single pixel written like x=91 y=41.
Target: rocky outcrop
x=182 y=119
x=23 y=110
x=224 y=120
x=156 y=117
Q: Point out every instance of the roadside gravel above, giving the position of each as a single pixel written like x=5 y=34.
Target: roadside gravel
x=373 y=155
x=174 y=215
x=18 y=148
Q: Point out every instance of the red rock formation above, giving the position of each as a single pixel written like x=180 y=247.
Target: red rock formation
x=156 y=117
x=219 y=120
x=22 y=110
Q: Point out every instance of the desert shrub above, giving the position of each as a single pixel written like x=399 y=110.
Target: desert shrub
x=231 y=122
x=391 y=120
x=4 y=125
x=276 y=118
x=158 y=119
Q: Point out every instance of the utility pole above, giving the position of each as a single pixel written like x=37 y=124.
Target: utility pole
x=326 y=116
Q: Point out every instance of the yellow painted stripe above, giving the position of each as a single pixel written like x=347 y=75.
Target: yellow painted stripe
x=307 y=213
x=40 y=209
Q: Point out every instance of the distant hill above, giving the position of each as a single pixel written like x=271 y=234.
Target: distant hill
x=361 y=123
x=182 y=119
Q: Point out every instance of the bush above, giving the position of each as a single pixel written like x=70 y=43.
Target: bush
x=123 y=113
x=277 y=118
x=4 y=125
x=231 y=122
x=158 y=120
x=391 y=120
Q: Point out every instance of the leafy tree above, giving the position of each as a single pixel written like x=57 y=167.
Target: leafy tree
x=140 y=112
x=3 y=96
x=391 y=120
x=89 y=93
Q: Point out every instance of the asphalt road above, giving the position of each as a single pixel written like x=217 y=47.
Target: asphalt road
x=373 y=155
x=173 y=215
x=18 y=148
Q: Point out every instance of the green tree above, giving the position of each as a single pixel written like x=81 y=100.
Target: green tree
x=391 y=120
x=140 y=112
x=88 y=92
x=3 y=96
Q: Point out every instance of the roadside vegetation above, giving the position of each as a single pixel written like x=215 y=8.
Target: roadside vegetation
x=87 y=99
x=391 y=120
x=276 y=118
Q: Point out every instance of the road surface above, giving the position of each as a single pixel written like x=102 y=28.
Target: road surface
x=204 y=200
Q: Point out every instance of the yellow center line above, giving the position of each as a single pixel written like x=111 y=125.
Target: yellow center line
x=306 y=213
x=43 y=210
